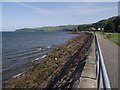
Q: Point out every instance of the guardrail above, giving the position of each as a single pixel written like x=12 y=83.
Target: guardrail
x=101 y=73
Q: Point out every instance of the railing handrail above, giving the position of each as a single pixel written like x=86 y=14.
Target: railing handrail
x=102 y=68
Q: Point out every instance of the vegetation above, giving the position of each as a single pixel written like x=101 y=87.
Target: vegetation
x=84 y=27
x=107 y=25
x=116 y=22
x=50 y=28
x=111 y=29
x=112 y=36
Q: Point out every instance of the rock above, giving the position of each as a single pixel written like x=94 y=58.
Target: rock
x=55 y=58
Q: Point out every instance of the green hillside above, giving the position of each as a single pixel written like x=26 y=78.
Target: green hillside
x=50 y=28
x=110 y=25
x=107 y=25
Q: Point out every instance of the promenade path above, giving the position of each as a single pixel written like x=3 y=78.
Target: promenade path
x=110 y=55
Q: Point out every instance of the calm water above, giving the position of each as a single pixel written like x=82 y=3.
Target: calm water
x=19 y=49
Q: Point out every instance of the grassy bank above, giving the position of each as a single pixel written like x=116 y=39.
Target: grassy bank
x=112 y=36
x=41 y=73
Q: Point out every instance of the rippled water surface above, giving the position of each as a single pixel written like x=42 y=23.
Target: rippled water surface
x=19 y=49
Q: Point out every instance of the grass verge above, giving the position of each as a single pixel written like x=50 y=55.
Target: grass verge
x=115 y=37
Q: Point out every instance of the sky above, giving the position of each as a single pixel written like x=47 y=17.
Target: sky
x=16 y=15
x=60 y=0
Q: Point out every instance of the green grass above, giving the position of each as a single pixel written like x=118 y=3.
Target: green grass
x=112 y=36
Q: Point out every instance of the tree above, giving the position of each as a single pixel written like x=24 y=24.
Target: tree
x=110 y=27
x=118 y=29
x=81 y=28
x=117 y=23
x=96 y=26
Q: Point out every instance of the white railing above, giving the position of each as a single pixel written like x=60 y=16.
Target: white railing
x=101 y=73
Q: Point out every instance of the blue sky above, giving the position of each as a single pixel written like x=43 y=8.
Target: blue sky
x=17 y=15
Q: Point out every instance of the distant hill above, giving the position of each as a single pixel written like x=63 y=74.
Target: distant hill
x=84 y=27
x=110 y=24
x=49 y=28
x=105 y=21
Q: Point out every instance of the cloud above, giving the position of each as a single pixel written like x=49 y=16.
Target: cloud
x=37 y=10
x=85 y=9
x=72 y=9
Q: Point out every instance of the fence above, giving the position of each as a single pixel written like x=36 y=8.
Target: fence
x=101 y=73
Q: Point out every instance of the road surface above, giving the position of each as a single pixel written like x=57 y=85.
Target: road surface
x=110 y=55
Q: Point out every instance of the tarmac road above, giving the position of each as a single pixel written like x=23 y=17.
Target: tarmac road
x=110 y=55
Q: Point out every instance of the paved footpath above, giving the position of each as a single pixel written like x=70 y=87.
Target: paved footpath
x=110 y=55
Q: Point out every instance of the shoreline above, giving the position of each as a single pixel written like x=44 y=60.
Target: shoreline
x=47 y=67
x=39 y=59
x=19 y=58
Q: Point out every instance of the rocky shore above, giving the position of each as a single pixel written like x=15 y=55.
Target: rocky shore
x=41 y=73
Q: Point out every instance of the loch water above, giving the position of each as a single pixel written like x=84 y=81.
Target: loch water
x=20 y=49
